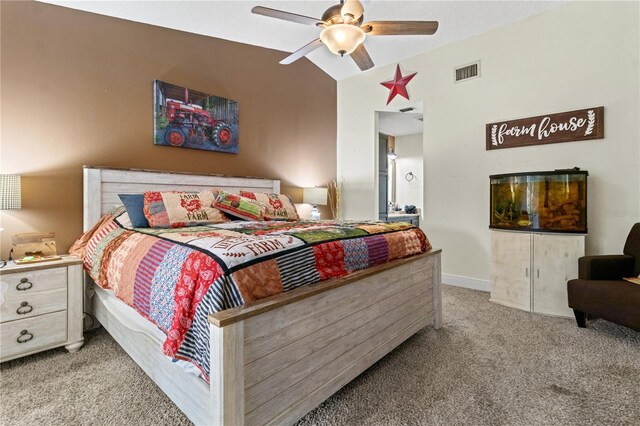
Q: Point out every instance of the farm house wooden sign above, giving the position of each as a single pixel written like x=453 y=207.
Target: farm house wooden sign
x=569 y=126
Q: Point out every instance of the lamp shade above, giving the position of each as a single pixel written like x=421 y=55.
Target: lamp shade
x=10 y=197
x=342 y=39
x=316 y=196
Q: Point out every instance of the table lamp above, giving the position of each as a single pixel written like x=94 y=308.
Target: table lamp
x=317 y=197
x=10 y=197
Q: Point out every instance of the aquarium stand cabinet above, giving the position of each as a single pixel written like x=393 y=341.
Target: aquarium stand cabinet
x=529 y=271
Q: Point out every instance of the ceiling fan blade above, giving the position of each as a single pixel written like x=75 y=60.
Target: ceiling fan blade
x=362 y=59
x=352 y=10
x=287 y=16
x=302 y=52
x=400 y=27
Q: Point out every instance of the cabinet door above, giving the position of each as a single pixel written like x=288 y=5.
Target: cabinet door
x=555 y=261
x=511 y=269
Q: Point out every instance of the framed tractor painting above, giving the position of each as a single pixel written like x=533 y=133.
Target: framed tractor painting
x=186 y=118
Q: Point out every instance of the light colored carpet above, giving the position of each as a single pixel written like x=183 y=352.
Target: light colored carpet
x=489 y=365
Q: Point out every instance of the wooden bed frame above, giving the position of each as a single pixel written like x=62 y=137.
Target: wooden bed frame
x=276 y=359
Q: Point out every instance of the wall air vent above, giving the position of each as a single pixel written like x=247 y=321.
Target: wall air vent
x=466 y=72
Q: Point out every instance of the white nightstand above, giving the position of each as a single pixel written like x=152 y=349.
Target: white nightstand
x=42 y=308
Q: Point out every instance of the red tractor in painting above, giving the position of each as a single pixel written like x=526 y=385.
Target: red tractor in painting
x=190 y=122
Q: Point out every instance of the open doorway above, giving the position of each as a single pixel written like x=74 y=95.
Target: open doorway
x=400 y=164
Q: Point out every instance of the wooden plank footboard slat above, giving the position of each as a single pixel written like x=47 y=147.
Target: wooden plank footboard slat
x=265 y=324
x=227 y=374
x=317 y=313
x=279 y=383
x=279 y=359
x=313 y=391
x=436 y=276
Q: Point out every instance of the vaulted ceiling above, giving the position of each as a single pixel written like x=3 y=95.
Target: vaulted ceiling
x=233 y=20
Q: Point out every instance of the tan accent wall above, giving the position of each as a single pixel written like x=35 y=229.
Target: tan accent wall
x=77 y=89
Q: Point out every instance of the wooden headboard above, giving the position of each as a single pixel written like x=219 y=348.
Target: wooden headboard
x=102 y=186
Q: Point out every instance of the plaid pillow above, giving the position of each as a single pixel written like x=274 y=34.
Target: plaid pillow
x=242 y=207
x=278 y=206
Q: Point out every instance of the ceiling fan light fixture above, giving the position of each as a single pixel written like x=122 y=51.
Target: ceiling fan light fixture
x=342 y=39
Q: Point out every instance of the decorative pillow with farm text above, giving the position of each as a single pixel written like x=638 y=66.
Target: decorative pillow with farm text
x=191 y=209
x=180 y=209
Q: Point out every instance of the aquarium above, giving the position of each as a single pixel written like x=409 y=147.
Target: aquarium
x=554 y=201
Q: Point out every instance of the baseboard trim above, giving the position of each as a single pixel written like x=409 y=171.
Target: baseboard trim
x=466 y=282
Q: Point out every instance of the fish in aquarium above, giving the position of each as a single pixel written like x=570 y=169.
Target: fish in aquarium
x=546 y=201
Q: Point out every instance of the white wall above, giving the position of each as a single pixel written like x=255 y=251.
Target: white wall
x=580 y=55
x=409 y=150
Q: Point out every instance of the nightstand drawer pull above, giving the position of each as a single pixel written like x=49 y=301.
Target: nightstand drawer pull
x=24 y=337
x=24 y=309
x=24 y=285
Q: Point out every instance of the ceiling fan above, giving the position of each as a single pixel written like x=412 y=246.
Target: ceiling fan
x=343 y=31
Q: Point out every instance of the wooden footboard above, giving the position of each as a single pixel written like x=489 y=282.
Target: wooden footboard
x=274 y=361
x=277 y=359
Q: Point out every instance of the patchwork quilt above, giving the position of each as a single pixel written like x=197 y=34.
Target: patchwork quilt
x=176 y=277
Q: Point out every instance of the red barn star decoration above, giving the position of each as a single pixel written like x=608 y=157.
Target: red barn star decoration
x=398 y=86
